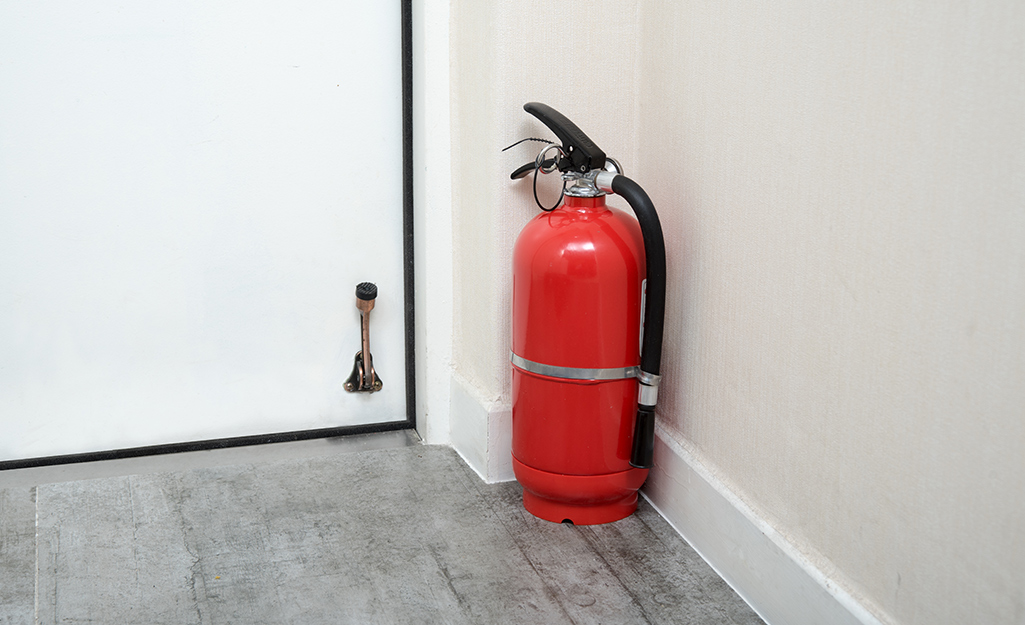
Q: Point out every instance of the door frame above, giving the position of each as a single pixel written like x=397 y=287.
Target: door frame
x=409 y=423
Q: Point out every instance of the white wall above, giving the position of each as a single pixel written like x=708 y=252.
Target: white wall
x=843 y=193
x=505 y=55
x=432 y=225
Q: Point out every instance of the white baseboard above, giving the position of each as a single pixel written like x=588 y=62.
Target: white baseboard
x=779 y=582
x=481 y=432
x=775 y=579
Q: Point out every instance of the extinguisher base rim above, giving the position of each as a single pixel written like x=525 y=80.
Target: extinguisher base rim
x=594 y=514
x=582 y=499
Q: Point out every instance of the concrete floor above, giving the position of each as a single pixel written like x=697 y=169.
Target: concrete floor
x=372 y=529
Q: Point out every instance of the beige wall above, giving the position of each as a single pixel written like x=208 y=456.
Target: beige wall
x=842 y=187
x=504 y=55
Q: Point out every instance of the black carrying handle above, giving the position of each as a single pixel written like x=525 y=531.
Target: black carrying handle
x=581 y=153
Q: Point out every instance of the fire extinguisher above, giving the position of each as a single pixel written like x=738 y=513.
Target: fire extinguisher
x=585 y=372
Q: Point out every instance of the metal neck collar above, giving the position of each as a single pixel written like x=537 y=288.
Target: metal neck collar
x=582 y=185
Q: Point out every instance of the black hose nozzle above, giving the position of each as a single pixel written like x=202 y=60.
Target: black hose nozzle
x=643 y=453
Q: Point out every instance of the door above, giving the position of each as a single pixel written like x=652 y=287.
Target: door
x=189 y=194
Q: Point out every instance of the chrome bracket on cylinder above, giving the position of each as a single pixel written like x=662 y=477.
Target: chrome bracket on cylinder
x=647 y=390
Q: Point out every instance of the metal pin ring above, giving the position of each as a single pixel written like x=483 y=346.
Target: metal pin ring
x=539 y=161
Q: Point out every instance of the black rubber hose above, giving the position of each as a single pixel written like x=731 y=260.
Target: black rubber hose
x=654 y=269
x=654 y=309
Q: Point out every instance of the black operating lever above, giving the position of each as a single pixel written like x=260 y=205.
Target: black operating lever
x=581 y=154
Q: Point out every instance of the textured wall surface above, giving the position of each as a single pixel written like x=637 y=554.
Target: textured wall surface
x=505 y=55
x=842 y=188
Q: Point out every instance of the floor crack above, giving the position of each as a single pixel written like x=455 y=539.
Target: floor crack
x=549 y=590
x=592 y=540
x=135 y=532
x=196 y=569
x=35 y=598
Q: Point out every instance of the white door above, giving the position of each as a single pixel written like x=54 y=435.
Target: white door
x=189 y=194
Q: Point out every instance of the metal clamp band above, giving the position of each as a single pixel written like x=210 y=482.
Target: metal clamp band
x=648 y=378
x=573 y=373
x=647 y=390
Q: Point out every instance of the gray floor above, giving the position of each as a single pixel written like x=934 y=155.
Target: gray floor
x=365 y=530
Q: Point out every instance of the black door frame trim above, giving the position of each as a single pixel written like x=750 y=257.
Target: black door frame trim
x=407 y=209
x=409 y=319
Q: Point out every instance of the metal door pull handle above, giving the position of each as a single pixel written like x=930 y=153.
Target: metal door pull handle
x=363 y=378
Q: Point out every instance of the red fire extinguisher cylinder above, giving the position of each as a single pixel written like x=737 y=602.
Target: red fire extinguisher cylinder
x=583 y=394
